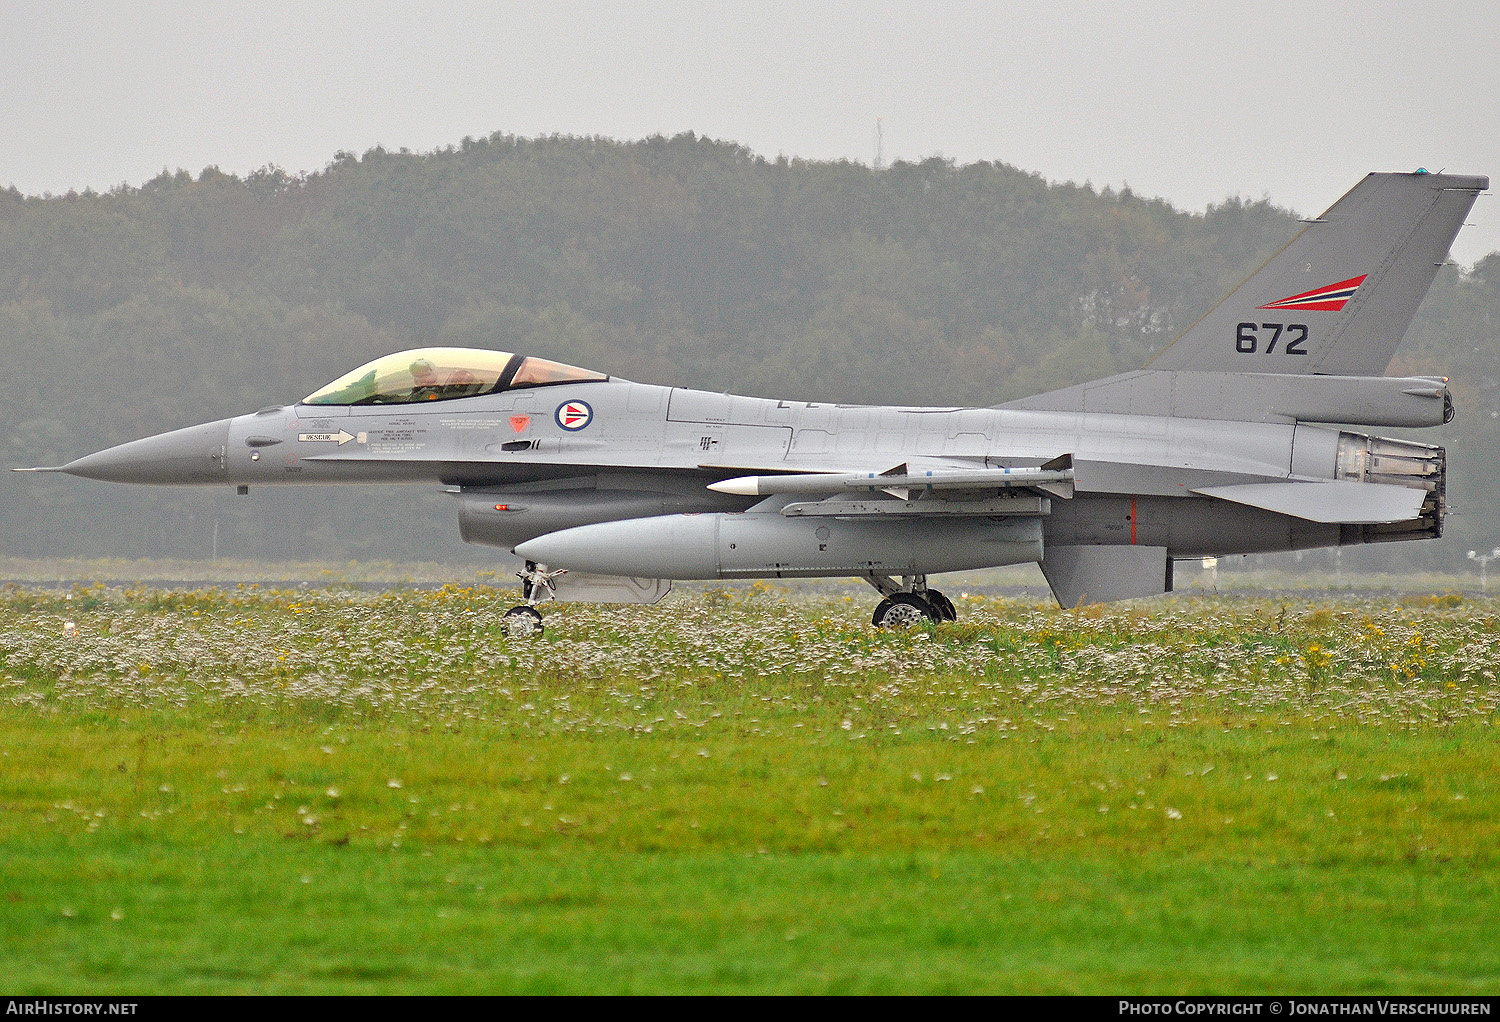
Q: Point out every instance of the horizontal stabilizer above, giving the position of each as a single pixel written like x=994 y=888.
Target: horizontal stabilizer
x=1104 y=574
x=1342 y=501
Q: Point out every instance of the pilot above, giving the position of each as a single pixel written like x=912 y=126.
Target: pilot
x=424 y=381
x=462 y=383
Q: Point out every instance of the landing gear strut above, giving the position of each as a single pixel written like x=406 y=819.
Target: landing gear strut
x=537 y=584
x=908 y=603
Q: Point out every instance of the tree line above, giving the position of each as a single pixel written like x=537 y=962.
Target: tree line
x=680 y=261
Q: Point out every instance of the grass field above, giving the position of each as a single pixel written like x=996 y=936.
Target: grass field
x=328 y=790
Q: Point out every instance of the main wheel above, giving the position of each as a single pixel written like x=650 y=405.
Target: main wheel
x=942 y=606
x=903 y=610
x=522 y=622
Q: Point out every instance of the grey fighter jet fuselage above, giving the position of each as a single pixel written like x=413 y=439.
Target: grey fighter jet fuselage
x=1246 y=435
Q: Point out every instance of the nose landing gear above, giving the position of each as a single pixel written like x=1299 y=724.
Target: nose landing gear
x=522 y=622
x=537 y=584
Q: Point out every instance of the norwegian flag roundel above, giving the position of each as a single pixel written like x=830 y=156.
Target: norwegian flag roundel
x=574 y=415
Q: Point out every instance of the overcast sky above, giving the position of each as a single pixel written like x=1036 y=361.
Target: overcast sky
x=1192 y=102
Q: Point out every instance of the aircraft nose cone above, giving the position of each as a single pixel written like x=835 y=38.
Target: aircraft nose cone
x=196 y=454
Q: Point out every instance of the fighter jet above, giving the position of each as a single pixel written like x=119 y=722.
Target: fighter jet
x=1231 y=441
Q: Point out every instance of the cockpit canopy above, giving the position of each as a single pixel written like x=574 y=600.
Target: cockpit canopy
x=442 y=374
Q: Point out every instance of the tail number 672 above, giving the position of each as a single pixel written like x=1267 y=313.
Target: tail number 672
x=1247 y=338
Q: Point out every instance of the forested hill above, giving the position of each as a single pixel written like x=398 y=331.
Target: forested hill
x=677 y=261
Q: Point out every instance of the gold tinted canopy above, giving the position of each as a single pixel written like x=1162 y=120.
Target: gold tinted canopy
x=442 y=374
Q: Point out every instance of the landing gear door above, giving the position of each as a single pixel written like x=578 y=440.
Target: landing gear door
x=581 y=587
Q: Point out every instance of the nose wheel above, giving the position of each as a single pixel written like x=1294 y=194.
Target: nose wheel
x=908 y=603
x=537 y=585
x=522 y=622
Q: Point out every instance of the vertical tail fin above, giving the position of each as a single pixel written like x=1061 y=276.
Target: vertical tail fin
x=1341 y=294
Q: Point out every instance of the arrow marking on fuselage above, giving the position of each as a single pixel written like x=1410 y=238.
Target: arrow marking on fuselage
x=340 y=438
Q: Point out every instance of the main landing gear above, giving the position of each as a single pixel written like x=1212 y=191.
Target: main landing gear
x=537 y=584
x=904 y=604
x=908 y=603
